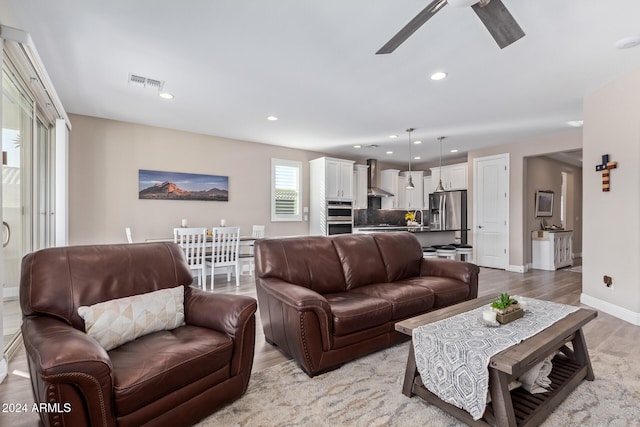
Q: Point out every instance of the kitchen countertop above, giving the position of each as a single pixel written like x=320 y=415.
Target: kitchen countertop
x=415 y=228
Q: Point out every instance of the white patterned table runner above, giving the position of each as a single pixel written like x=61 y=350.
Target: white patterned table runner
x=452 y=355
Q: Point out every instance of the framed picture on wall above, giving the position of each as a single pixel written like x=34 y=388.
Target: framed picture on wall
x=161 y=185
x=544 y=203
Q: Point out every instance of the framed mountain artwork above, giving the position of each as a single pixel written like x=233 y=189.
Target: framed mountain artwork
x=160 y=185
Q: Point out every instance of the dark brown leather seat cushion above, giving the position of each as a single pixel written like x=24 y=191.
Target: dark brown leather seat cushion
x=406 y=298
x=354 y=312
x=163 y=362
x=447 y=291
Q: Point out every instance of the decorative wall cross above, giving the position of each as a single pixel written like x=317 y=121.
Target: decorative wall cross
x=605 y=167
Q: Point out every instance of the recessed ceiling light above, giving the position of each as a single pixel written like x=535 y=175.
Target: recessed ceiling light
x=575 y=123
x=627 y=42
x=393 y=136
x=165 y=95
x=357 y=146
x=416 y=158
x=438 y=75
x=272 y=118
x=454 y=151
x=389 y=152
x=417 y=142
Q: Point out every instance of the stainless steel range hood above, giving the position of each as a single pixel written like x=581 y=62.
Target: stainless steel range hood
x=372 y=181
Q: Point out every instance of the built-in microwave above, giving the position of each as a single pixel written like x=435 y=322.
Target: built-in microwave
x=339 y=217
x=339 y=211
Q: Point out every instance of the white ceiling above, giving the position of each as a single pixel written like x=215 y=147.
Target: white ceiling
x=232 y=63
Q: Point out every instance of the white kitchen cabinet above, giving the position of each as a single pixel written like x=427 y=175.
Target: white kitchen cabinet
x=413 y=199
x=427 y=189
x=389 y=182
x=551 y=250
x=360 y=186
x=335 y=176
x=454 y=177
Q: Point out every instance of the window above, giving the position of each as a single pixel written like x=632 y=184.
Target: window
x=285 y=190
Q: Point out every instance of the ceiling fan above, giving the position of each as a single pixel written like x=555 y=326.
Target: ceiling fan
x=494 y=15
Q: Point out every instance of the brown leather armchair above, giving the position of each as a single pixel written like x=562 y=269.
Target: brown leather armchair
x=171 y=378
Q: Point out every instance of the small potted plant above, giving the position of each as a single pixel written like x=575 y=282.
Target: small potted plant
x=507 y=308
x=410 y=217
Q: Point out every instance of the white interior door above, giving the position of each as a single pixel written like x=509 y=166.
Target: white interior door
x=491 y=211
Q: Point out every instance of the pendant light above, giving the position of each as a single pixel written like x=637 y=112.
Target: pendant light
x=440 y=188
x=410 y=185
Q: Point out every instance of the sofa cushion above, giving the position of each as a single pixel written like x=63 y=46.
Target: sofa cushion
x=172 y=360
x=401 y=254
x=118 y=321
x=447 y=291
x=354 y=312
x=360 y=258
x=309 y=261
x=407 y=299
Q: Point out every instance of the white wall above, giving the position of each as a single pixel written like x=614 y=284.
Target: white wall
x=104 y=159
x=611 y=244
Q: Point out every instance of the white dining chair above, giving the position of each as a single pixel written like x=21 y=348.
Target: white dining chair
x=248 y=257
x=193 y=242
x=127 y=231
x=224 y=252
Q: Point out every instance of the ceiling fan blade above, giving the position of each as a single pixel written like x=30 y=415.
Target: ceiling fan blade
x=412 y=26
x=503 y=27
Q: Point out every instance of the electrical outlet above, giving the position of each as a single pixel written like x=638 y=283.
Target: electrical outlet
x=608 y=281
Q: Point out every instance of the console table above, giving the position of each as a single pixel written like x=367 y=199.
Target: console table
x=551 y=250
x=516 y=407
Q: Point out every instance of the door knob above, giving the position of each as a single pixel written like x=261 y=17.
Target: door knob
x=480 y=226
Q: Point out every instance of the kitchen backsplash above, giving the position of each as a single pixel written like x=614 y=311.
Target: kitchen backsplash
x=374 y=216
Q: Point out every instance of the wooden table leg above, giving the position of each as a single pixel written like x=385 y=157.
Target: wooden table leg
x=410 y=373
x=501 y=398
x=582 y=354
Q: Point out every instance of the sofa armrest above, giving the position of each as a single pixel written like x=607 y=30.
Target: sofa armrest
x=233 y=315
x=463 y=271
x=221 y=312
x=69 y=367
x=297 y=297
x=294 y=317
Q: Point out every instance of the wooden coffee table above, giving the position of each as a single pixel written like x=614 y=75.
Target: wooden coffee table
x=516 y=407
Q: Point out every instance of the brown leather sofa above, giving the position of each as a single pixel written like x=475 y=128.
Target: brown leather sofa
x=166 y=378
x=327 y=300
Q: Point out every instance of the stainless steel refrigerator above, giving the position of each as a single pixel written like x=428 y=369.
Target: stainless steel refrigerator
x=448 y=212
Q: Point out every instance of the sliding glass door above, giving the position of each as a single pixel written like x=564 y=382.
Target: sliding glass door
x=27 y=189
x=17 y=137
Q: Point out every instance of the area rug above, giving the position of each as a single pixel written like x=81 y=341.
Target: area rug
x=367 y=392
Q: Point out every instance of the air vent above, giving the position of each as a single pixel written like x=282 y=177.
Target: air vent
x=145 y=82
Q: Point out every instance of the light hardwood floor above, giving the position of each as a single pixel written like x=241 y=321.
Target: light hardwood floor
x=606 y=334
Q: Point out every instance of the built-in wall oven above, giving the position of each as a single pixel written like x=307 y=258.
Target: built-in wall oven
x=339 y=217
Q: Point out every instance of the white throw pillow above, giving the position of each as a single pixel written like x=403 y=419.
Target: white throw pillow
x=118 y=321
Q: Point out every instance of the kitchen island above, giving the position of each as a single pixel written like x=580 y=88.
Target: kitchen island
x=425 y=235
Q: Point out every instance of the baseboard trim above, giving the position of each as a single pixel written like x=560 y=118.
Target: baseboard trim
x=518 y=268
x=11 y=293
x=612 y=309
